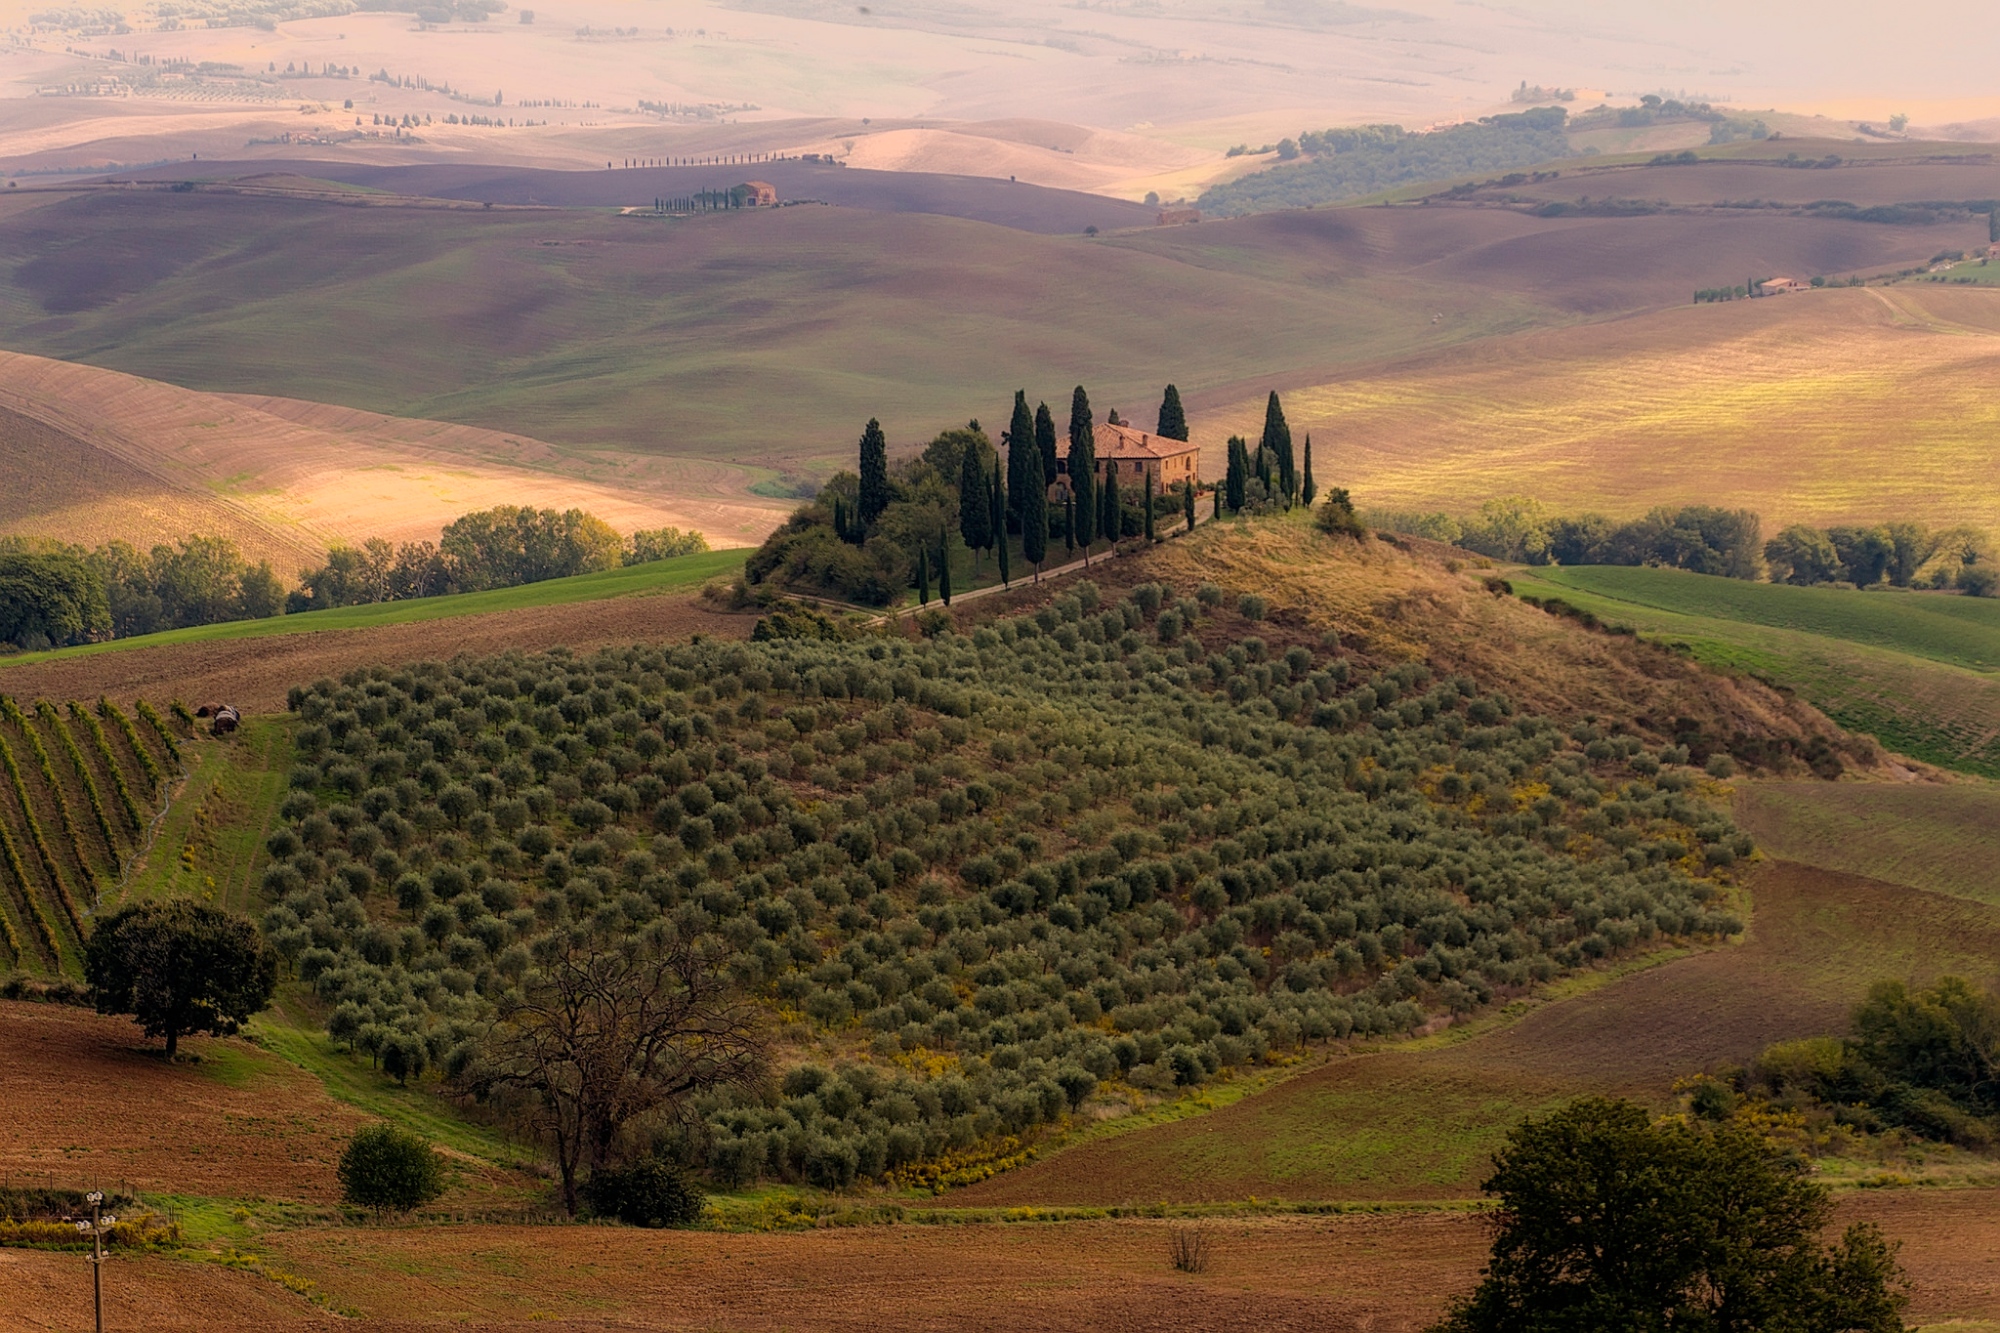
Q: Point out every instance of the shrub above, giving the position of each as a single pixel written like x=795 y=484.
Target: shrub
x=649 y=1193
x=389 y=1170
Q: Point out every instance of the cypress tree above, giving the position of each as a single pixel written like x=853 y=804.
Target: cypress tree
x=923 y=576
x=1187 y=504
x=1069 y=523
x=1083 y=469
x=1277 y=442
x=874 y=473
x=997 y=497
x=839 y=519
x=1034 y=513
x=1045 y=440
x=1020 y=443
x=944 y=567
x=1306 y=488
x=975 y=517
x=1173 y=421
x=1238 y=478
x=1216 y=496
x=1149 y=508
x=1113 y=519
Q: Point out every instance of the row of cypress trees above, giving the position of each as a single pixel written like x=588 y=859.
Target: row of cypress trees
x=1274 y=464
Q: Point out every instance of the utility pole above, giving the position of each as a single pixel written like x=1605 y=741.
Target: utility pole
x=95 y=1229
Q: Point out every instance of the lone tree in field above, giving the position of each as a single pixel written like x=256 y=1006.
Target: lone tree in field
x=874 y=473
x=179 y=968
x=389 y=1170
x=1307 y=488
x=604 y=1030
x=1083 y=469
x=1608 y=1221
x=1020 y=443
x=1277 y=446
x=975 y=504
x=1173 y=421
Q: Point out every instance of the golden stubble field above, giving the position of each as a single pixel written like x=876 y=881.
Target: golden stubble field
x=1827 y=407
x=101 y=455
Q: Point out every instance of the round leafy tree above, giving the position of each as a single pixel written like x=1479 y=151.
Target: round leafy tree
x=389 y=1170
x=179 y=968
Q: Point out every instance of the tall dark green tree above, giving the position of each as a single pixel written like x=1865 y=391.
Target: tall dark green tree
x=839 y=519
x=1149 y=506
x=1069 y=522
x=1034 y=513
x=1083 y=469
x=1277 y=443
x=874 y=473
x=1045 y=440
x=1173 y=421
x=179 y=968
x=1307 y=488
x=944 y=568
x=999 y=501
x=1236 y=481
x=1608 y=1221
x=923 y=576
x=1187 y=504
x=975 y=504
x=1112 y=520
x=1020 y=443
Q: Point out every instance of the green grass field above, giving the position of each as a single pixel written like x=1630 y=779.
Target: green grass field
x=1918 y=671
x=660 y=576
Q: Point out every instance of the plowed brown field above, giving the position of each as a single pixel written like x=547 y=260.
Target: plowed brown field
x=87 y=1100
x=1382 y=1274
x=255 y=673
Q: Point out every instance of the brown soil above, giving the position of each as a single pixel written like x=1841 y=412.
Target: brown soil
x=255 y=673
x=90 y=1101
x=1378 y=1273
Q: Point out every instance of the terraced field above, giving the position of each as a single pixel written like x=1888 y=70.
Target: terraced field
x=1915 y=670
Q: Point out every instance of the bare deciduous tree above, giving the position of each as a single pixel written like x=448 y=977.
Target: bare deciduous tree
x=603 y=1031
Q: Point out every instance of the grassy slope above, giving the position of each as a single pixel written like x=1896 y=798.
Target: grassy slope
x=661 y=576
x=1915 y=670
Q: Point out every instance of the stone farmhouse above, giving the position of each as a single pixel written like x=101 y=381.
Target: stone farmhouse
x=1130 y=454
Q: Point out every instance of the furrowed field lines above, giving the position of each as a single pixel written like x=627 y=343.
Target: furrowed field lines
x=51 y=719
x=126 y=801
x=54 y=864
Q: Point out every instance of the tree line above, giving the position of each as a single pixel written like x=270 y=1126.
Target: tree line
x=55 y=594
x=871 y=534
x=1726 y=542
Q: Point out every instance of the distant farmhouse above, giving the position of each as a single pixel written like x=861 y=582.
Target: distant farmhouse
x=1779 y=286
x=1128 y=454
x=1178 y=217
x=759 y=194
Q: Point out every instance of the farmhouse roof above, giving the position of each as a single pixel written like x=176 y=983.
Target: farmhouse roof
x=1128 y=442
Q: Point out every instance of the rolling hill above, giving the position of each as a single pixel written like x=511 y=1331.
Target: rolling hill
x=765 y=339
x=94 y=455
